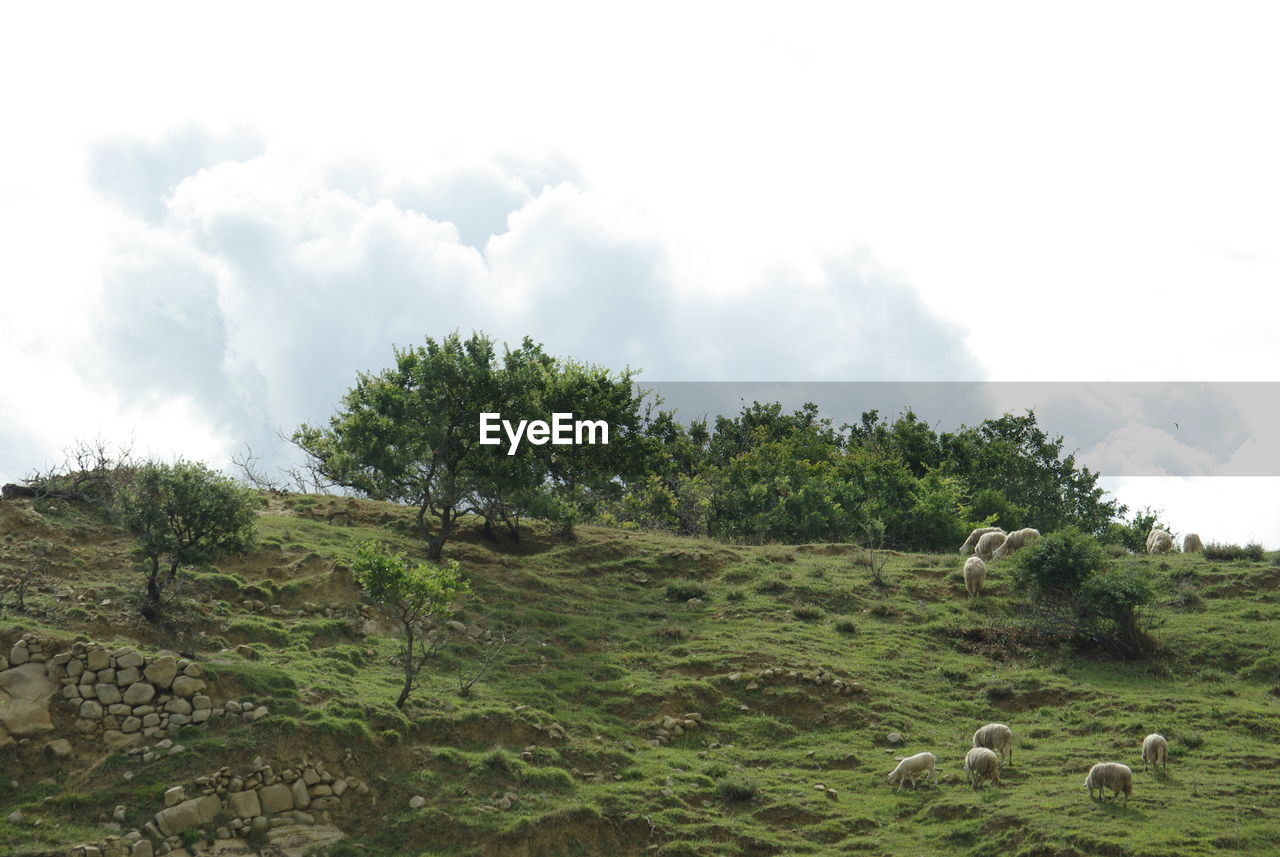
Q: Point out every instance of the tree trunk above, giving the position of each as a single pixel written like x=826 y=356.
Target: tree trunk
x=408 y=666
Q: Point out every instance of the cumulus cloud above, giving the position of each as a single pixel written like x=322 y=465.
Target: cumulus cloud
x=253 y=284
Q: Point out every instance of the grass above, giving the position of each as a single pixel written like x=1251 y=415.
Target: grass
x=612 y=647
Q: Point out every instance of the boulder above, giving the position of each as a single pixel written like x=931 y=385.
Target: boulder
x=59 y=748
x=174 y=796
x=97 y=659
x=277 y=798
x=301 y=797
x=186 y=686
x=161 y=671
x=107 y=693
x=139 y=693
x=25 y=692
x=90 y=710
x=128 y=658
x=244 y=804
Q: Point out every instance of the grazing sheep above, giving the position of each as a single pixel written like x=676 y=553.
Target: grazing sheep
x=1191 y=543
x=975 y=574
x=982 y=764
x=1159 y=541
x=1017 y=539
x=997 y=737
x=1111 y=775
x=972 y=542
x=987 y=545
x=1155 y=750
x=913 y=766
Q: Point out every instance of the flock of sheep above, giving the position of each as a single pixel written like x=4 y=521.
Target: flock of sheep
x=993 y=742
x=991 y=543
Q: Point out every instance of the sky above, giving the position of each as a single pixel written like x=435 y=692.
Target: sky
x=210 y=220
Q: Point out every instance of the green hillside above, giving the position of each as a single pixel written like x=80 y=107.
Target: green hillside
x=552 y=752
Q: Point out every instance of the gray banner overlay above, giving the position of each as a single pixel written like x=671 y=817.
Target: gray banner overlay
x=1114 y=428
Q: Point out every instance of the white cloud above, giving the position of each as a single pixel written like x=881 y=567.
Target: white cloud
x=249 y=292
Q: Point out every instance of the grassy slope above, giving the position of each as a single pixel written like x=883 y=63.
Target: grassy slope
x=613 y=650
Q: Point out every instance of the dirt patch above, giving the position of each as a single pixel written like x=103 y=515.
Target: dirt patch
x=788 y=816
x=1041 y=698
x=575 y=831
x=952 y=811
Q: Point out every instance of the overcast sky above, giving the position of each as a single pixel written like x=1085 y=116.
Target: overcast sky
x=211 y=220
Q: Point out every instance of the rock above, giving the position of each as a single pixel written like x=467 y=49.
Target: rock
x=300 y=817
x=161 y=671
x=25 y=692
x=186 y=686
x=174 y=796
x=301 y=797
x=128 y=658
x=118 y=814
x=126 y=677
x=417 y=802
x=14 y=817
x=260 y=712
x=178 y=706
x=277 y=798
x=115 y=739
x=108 y=694
x=131 y=724
x=752 y=686
x=90 y=710
x=201 y=702
x=142 y=848
x=59 y=748
x=244 y=804
x=895 y=738
x=175 y=819
x=695 y=602
x=246 y=652
x=139 y=693
x=97 y=659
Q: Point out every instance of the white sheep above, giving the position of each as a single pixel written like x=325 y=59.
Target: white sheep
x=1017 y=539
x=1111 y=775
x=1191 y=543
x=987 y=545
x=975 y=575
x=972 y=542
x=997 y=737
x=1159 y=541
x=1155 y=750
x=912 y=767
x=982 y=764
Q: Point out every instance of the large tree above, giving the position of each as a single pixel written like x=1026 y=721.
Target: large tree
x=410 y=434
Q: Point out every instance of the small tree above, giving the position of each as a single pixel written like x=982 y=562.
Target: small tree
x=1057 y=565
x=184 y=514
x=412 y=594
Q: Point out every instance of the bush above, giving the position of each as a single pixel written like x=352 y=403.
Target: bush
x=1230 y=553
x=1058 y=564
x=846 y=626
x=683 y=590
x=736 y=788
x=807 y=613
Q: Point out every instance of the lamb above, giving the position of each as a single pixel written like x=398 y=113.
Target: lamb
x=912 y=767
x=997 y=737
x=1155 y=750
x=1111 y=775
x=1159 y=541
x=972 y=542
x=982 y=764
x=975 y=574
x=1017 y=539
x=1191 y=543
x=987 y=545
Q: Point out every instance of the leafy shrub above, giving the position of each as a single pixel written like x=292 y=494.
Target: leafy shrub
x=845 y=625
x=1059 y=563
x=807 y=613
x=735 y=595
